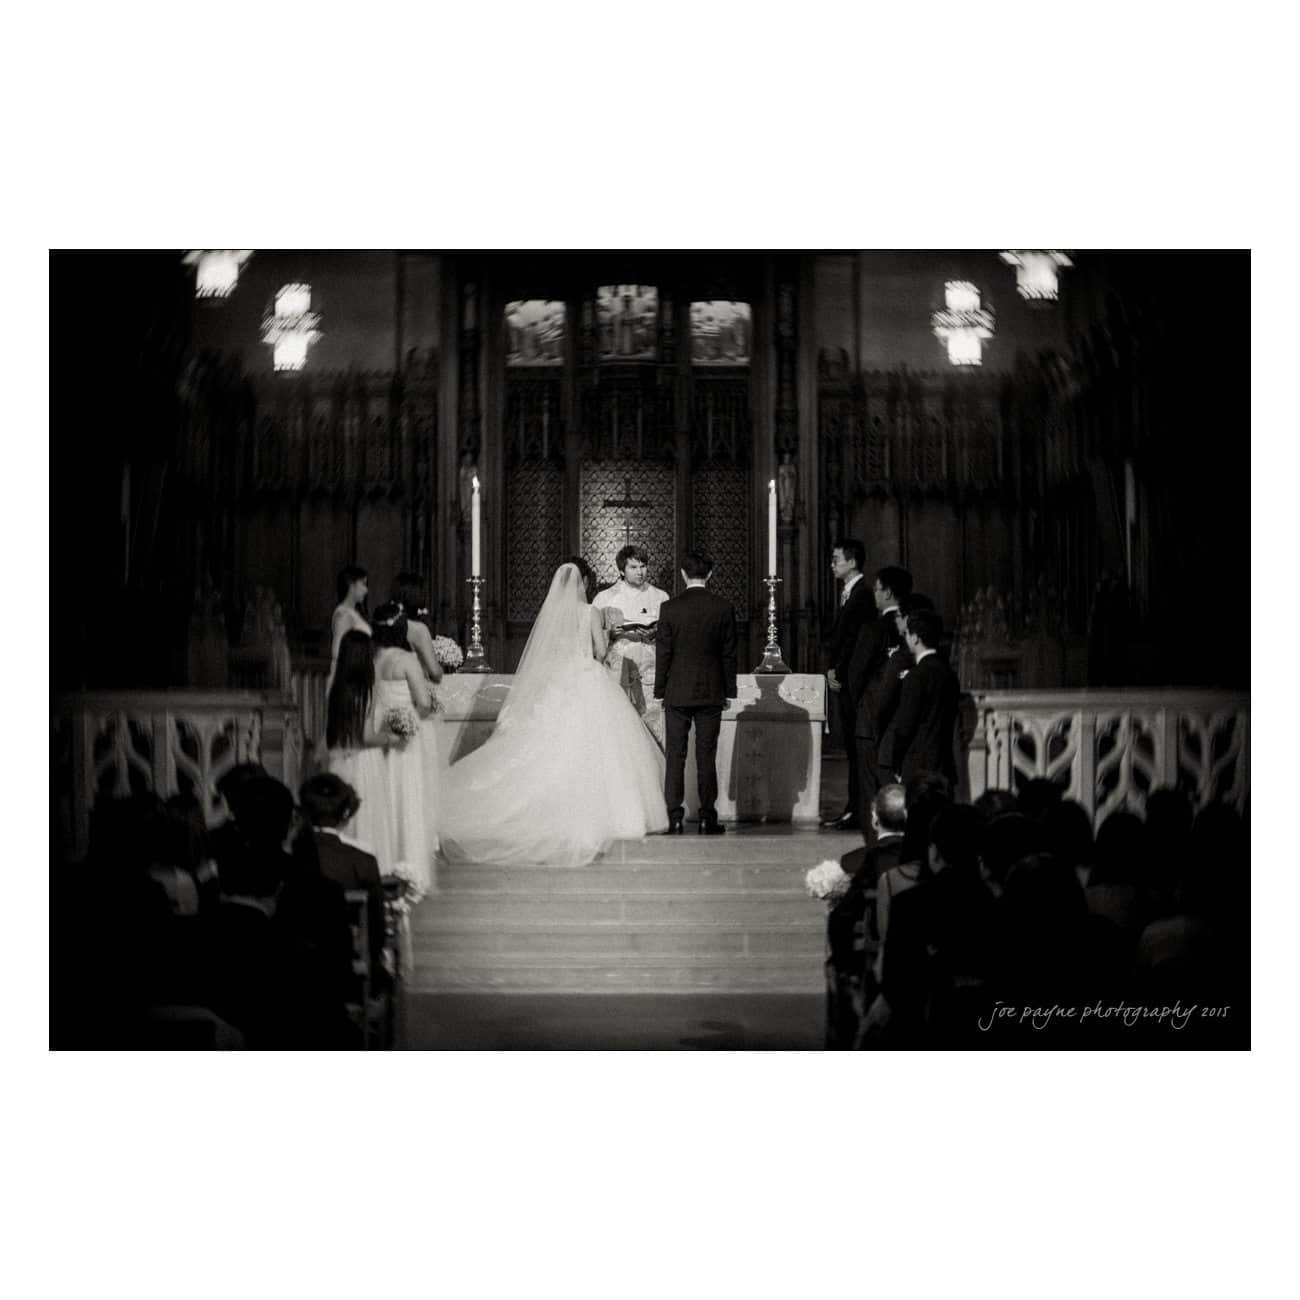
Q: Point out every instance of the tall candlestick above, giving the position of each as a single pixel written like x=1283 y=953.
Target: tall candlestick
x=771 y=527
x=476 y=545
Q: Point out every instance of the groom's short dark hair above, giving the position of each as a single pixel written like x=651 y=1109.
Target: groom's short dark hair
x=631 y=553
x=697 y=564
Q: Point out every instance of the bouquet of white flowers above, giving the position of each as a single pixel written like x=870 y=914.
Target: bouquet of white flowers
x=826 y=881
x=402 y=721
x=448 y=653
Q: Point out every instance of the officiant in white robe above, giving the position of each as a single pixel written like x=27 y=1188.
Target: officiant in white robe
x=631 y=609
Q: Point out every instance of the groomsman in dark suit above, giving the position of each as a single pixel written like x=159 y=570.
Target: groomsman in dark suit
x=878 y=642
x=695 y=676
x=920 y=737
x=856 y=607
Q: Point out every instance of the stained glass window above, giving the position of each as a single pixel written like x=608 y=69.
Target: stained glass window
x=535 y=332
x=627 y=316
x=721 y=333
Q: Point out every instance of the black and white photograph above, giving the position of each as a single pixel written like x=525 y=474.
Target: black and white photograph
x=703 y=650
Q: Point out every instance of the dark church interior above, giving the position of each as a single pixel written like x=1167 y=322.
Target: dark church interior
x=1052 y=445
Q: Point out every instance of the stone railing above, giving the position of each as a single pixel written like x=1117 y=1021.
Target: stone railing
x=114 y=743
x=307 y=687
x=1110 y=749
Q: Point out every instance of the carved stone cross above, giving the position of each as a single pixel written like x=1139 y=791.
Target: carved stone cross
x=627 y=503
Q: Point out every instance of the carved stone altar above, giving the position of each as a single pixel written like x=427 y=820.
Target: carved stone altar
x=769 y=751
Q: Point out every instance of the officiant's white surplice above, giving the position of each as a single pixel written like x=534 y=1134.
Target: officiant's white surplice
x=640 y=609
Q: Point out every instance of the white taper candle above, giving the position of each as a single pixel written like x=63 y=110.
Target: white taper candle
x=476 y=544
x=771 y=528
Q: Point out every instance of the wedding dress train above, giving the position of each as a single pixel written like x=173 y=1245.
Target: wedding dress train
x=570 y=767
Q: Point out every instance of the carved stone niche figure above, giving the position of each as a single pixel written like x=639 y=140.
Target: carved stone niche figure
x=787 y=488
x=468 y=473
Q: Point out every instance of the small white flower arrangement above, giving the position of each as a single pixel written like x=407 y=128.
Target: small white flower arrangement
x=402 y=721
x=826 y=881
x=447 y=652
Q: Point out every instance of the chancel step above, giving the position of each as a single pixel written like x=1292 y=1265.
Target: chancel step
x=662 y=915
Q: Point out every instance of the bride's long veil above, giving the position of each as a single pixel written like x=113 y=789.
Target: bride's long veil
x=558 y=641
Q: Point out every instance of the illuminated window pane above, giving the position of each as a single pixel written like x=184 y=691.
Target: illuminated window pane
x=721 y=333
x=1037 y=271
x=535 y=332
x=291 y=351
x=963 y=325
x=627 y=316
x=216 y=270
x=961 y=295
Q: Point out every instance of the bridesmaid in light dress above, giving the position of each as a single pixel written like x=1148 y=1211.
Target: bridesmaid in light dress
x=358 y=740
x=348 y=616
x=400 y=685
x=408 y=591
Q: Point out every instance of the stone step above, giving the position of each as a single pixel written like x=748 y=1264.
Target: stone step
x=438 y=941
x=639 y=908
x=598 y=974
x=632 y=877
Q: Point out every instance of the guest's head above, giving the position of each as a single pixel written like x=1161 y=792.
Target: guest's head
x=121 y=832
x=1067 y=833
x=892 y=586
x=231 y=784
x=182 y=837
x=1037 y=795
x=353 y=584
x=327 y=800
x=389 y=628
x=349 y=701
x=696 y=565
x=1120 y=853
x=889 y=810
x=928 y=794
x=994 y=803
x=266 y=813
x=588 y=574
x=411 y=594
x=955 y=840
x=1005 y=841
x=1043 y=900
x=848 y=556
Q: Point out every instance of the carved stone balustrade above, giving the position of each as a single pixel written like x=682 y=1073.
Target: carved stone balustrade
x=1109 y=749
x=115 y=743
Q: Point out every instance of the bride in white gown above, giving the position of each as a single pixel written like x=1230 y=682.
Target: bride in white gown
x=570 y=768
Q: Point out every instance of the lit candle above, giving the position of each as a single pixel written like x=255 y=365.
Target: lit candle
x=476 y=545
x=771 y=528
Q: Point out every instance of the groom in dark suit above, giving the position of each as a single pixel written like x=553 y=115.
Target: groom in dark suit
x=695 y=676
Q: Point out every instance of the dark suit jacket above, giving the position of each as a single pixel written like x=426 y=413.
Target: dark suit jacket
x=695 y=650
x=880 y=702
x=866 y=671
x=920 y=737
x=354 y=868
x=860 y=608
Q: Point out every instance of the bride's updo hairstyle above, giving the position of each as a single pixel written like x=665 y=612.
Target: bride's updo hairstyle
x=588 y=575
x=389 y=626
x=408 y=592
x=349 y=701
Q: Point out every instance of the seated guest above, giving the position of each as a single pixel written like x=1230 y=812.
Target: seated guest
x=328 y=802
x=1067 y=835
x=225 y=840
x=1168 y=816
x=926 y=796
x=1038 y=796
x=937 y=955
x=1200 y=953
x=279 y=948
x=848 y=919
x=1118 y=863
x=1004 y=841
x=1045 y=943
